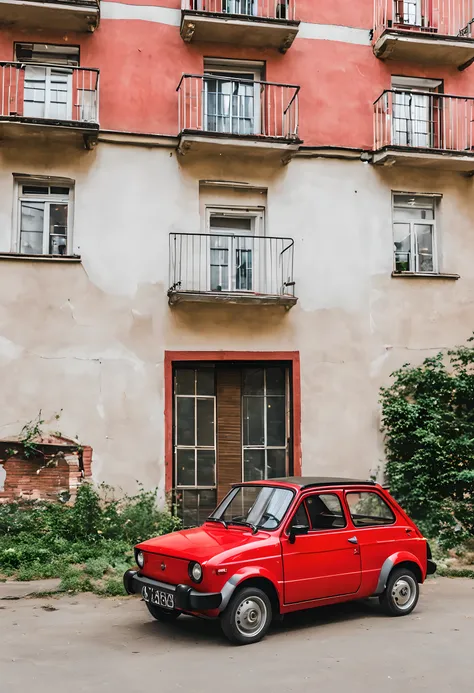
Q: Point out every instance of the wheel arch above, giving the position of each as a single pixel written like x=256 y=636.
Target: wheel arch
x=402 y=559
x=259 y=579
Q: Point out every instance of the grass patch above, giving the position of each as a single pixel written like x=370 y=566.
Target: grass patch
x=87 y=545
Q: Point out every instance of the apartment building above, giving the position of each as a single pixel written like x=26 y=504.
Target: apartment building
x=224 y=223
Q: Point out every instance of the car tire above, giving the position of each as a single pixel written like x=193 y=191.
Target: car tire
x=247 y=617
x=401 y=594
x=162 y=615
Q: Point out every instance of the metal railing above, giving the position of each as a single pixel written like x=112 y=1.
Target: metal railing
x=44 y=91
x=233 y=106
x=444 y=17
x=265 y=9
x=418 y=119
x=219 y=263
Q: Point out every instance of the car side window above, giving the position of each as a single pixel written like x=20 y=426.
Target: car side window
x=300 y=517
x=325 y=511
x=368 y=509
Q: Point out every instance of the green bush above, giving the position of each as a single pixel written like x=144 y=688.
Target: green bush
x=87 y=542
x=428 y=419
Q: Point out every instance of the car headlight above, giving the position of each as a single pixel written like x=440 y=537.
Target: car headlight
x=195 y=571
x=140 y=558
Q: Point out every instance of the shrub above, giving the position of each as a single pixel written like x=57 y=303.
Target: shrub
x=428 y=419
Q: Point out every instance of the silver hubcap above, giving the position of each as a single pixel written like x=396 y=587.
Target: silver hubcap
x=251 y=616
x=404 y=592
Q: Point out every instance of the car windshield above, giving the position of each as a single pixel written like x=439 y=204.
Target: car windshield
x=259 y=507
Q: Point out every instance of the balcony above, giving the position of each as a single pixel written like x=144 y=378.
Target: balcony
x=222 y=115
x=49 y=101
x=424 y=129
x=58 y=15
x=218 y=268
x=261 y=23
x=424 y=31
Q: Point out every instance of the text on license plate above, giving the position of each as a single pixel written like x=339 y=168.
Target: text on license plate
x=155 y=596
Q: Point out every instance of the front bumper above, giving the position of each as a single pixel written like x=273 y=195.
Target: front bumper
x=185 y=598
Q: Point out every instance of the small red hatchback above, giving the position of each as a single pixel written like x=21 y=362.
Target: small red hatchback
x=272 y=547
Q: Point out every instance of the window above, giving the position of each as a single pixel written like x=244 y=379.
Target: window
x=325 y=511
x=262 y=506
x=232 y=97
x=409 y=12
x=264 y=422
x=44 y=219
x=234 y=249
x=195 y=442
x=300 y=518
x=414 y=233
x=416 y=113
x=368 y=509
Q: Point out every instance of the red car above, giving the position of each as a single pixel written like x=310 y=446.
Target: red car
x=272 y=547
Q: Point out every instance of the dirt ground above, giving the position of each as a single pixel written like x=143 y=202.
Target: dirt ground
x=80 y=644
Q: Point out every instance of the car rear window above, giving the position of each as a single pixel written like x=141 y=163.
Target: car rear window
x=368 y=509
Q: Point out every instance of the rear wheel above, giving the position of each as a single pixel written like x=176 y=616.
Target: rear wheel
x=163 y=615
x=248 y=616
x=401 y=594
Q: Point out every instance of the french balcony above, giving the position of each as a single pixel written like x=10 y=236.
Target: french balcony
x=50 y=102
x=424 y=129
x=424 y=31
x=223 y=115
x=231 y=269
x=58 y=15
x=260 y=23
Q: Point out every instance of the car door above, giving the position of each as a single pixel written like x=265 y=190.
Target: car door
x=326 y=561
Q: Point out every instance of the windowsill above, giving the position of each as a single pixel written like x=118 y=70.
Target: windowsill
x=41 y=258
x=424 y=275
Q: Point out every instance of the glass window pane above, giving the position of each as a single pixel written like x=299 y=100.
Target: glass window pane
x=184 y=381
x=230 y=222
x=253 y=381
x=32 y=216
x=57 y=245
x=253 y=420
x=254 y=465
x=325 y=512
x=206 y=466
x=206 y=381
x=207 y=501
x=185 y=468
x=424 y=235
x=31 y=243
x=185 y=420
x=276 y=463
x=205 y=422
x=275 y=381
x=58 y=229
x=401 y=239
x=276 y=421
x=189 y=502
x=369 y=509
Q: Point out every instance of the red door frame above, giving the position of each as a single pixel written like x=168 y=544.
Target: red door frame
x=172 y=357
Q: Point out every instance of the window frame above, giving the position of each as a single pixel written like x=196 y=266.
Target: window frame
x=311 y=531
x=414 y=260
x=48 y=200
x=371 y=526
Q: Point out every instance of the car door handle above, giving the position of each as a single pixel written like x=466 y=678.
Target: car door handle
x=353 y=540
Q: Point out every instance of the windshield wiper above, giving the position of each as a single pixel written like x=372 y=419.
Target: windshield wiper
x=217 y=519
x=243 y=523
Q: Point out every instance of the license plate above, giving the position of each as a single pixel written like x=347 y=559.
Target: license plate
x=158 y=597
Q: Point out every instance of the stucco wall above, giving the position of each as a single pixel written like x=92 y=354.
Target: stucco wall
x=90 y=338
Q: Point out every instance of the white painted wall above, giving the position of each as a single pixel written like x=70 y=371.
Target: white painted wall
x=90 y=339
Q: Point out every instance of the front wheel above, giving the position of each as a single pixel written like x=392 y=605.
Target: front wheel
x=401 y=594
x=248 y=616
x=163 y=615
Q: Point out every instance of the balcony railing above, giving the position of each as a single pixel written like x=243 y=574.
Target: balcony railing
x=218 y=105
x=424 y=120
x=283 y=10
x=444 y=17
x=221 y=267
x=49 y=93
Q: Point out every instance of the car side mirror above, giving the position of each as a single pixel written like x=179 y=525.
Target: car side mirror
x=297 y=531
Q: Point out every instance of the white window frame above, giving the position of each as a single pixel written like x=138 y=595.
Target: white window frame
x=214 y=68
x=49 y=199
x=413 y=241
x=257 y=217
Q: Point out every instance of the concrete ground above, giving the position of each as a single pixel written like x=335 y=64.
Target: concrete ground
x=82 y=644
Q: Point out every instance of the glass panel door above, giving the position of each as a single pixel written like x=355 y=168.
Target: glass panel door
x=412 y=120
x=248 y=7
x=232 y=254
x=48 y=92
x=265 y=422
x=408 y=12
x=230 y=105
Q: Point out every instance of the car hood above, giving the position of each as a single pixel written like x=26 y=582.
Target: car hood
x=202 y=543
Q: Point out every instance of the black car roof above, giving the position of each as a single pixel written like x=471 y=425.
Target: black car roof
x=313 y=481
